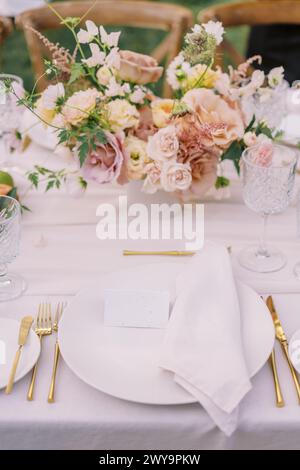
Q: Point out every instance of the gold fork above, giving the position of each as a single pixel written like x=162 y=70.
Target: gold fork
x=59 y=311
x=43 y=327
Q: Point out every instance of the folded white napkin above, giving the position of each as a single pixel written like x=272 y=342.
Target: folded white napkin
x=203 y=346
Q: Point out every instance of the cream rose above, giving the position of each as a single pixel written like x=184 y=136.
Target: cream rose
x=176 y=177
x=104 y=75
x=163 y=145
x=212 y=110
x=162 y=111
x=136 y=157
x=122 y=115
x=79 y=105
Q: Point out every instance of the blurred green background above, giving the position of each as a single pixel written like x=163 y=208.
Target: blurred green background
x=14 y=56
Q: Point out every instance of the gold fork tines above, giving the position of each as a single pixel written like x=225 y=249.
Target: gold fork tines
x=43 y=327
x=59 y=311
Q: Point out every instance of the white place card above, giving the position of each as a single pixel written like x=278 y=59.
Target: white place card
x=136 y=309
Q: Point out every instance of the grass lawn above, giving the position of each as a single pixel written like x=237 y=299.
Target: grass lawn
x=14 y=56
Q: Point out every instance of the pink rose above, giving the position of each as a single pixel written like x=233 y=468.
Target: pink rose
x=138 y=68
x=106 y=162
x=263 y=154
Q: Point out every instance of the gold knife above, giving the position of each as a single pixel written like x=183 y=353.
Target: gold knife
x=159 y=253
x=23 y=334
x=280 y=335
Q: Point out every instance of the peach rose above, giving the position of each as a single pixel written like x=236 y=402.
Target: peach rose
x=212 y=110
x=162 y=111
x=79 y=105
x=138 y=68
x=152 y=180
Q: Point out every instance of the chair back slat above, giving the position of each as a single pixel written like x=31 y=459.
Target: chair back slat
x=6 y=27
x=250 y=13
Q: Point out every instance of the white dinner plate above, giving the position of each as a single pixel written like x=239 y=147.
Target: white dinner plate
x=9 y=333
x=122 y=362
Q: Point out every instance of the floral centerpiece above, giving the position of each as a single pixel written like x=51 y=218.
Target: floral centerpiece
x=104 y=113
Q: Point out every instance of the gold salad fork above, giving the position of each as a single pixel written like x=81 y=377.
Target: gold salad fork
x=59 y=311
x=43 y=327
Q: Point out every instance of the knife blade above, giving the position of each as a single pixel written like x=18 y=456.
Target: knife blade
x=281 y=337
x=24 y=330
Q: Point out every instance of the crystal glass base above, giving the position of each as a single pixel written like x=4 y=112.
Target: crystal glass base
x=262 y=262
x=11 y=286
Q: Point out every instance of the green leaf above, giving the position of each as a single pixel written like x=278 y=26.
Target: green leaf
x=50 y=185
x=34 y=179
x=234 y=153
x=77 y=71
x=222 y=182
x=83 y=152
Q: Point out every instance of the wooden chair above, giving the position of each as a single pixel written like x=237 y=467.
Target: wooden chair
x=6 y=26
x=173 y=19
x=250 y=13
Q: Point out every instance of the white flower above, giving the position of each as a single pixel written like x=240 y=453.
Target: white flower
x=114 y=88
x=97 y=57
x=215 y=29
x=275 y=76
x=104 y=75
x=51 y=95
x=126 y=88
x=163 y=145
x=110 y=40
x=197 y=28
x=257 y=79
x=113 y=59
x=138 y=95
x=85 y=37
x=176 y=176
x=177 y=71
x=122 y=115
x=250 y=139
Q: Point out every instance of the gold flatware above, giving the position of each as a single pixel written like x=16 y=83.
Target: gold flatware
x=59 y=312
x=165 y=253
x=43 y=327
x=159 y=253
x=23 y=334
x=280 y=335
x=279 y=398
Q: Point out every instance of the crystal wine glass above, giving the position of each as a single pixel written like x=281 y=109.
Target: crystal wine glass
x=9 y=111
x=267 y=189
x=11 y=285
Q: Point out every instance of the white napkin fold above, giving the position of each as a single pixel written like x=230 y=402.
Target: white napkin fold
x=203 y=346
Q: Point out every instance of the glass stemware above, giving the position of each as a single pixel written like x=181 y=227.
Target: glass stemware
x=267 y=189
x=10 y=114
x=270 y=106
x=11 y=285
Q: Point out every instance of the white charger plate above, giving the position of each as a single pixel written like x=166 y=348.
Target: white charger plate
x=122 y=362
x=9 y=333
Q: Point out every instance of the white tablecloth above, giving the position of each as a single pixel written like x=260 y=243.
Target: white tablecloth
x=83 y=418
